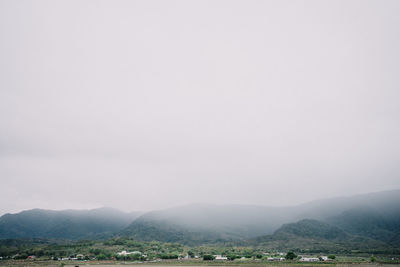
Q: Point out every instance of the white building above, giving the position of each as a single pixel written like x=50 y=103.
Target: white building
x=309 y=259
x=124 y=253
x=275 y=259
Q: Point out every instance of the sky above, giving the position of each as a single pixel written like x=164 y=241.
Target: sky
x=143 y=105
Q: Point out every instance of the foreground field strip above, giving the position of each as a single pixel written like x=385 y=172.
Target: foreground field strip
x=117 y=264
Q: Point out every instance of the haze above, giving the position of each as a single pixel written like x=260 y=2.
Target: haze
x=143 y=105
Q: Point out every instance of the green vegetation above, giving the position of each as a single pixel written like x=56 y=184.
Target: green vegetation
x=208 y=257
x=239 y=233
x=100 y=250
x=128 y=249
x=290 y=255
x=67 y=224
x=363 y=224
x=312 y=236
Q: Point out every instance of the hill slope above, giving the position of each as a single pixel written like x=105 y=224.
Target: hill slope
x=312 y=236
x=202 y=223
x=67 y=224
x=375 y=224
x=372 y=219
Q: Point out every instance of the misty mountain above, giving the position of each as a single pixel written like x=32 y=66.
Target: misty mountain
x=369 y=219
x=66 y=224
x=313 y=236
x=384 y=202
x=311 y=229
x=174 y=233
x=375 y=224
x=204 y=223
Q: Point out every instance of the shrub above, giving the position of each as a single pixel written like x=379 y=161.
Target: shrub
x=290 y=255
x=208 y=257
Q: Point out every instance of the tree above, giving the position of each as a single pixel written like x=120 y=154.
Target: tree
x=231 y=257
x=208 y=257
x=372 y=259
x=95 y=251
x=101 y=257
x=290 y=255
x=332 y=257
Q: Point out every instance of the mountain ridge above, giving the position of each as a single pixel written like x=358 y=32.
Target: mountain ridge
x=68 y=224
x=373 y=219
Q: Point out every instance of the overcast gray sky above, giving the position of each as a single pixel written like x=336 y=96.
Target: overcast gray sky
x=143 y=105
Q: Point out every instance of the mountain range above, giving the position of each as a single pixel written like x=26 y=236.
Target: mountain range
x=65 y=224
x=363 y=222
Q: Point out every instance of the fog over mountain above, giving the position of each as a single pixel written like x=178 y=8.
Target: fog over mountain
x=146 y=105
x=65 y=224
x=366 y=222
x=375 y=215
